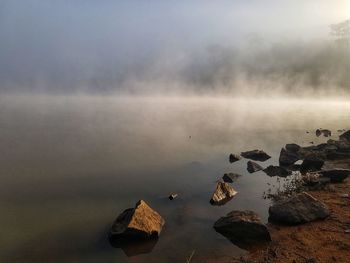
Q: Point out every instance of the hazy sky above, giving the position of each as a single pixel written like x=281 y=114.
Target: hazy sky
x=89 y=44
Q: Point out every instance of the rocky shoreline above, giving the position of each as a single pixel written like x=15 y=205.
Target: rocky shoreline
x=308 y=222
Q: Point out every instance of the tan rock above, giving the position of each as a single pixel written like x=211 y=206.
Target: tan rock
x=223 y=193
x=141 y=222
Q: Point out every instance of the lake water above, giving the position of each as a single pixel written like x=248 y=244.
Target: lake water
x=70 y=165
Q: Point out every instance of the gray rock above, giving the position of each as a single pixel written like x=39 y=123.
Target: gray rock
x=172 y=196
x=345 y=136
x=301 y=208
x=253 y=167
x=287 y=157
x=230 y=177
x=222 y=194
x=338 y=155
x=234 y=158
x=292 y=147
x=311 y=163
x=276 y=171
x=243 y=228
x=138 y=223
x=256 y=155
x=324 y=132
x=335 y=175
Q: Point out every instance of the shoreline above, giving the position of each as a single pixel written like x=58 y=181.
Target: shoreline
x=319 y=241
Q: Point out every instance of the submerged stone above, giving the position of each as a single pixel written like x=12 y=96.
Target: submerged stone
x=243 y=228
x=253 y=167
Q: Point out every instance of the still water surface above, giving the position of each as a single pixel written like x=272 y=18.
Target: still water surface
x=70 y=165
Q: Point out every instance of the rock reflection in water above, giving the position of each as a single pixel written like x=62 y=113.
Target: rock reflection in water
x=134 y=247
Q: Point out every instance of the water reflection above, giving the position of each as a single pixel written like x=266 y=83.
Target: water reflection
x=134 y=247
x=72 y=164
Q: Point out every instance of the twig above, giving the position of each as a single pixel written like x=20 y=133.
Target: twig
x=188 y=260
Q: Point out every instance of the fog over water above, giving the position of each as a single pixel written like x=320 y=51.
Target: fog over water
x=226 y=47
x=103 y=103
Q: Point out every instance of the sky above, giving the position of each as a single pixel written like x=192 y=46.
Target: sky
x=137 y=45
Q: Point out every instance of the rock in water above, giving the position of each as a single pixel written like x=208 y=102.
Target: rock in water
x=253 y=167
x=324 y=132
x=172 y=196
x=276 y=171
x=345 y=136
x=223 y=193
x=139 y=223
x=256 y=155
x=243 y=228
x=301 y=208
x=335 y=175
x=288 y=158
x=292 y=147
x=311 y=163
x=234 y=158
x=230 y=177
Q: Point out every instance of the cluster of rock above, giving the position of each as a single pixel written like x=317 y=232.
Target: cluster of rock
x=244 y=228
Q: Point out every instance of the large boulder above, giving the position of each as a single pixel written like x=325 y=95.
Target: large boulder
x=253 y=167
x=138 y=223
x=234 y=158
x=311 y=163
x=222 y=194
x=230 y=177
x=298 y=209
x=345 y=136
x=324 y=132
x=276 y=171
x=243 y=228
x=288 y=157
x=292 y=147
x=335 y=175
x=256 y=155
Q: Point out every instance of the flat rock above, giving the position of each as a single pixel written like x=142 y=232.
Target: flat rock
x=335 y=175
x=234 y=158
x=243 y=228
x=256 y=155
x=138 y=223
x=253 y=167
x=288 y=157
x=276 y=171
x=222 y=194
x=230 y=177
x=298 y=209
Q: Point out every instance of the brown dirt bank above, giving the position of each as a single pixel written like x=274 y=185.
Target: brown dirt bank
x=316 y=242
